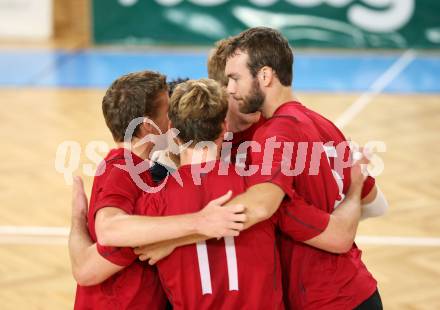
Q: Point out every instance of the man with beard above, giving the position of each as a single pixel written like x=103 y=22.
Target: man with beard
x=243 y=126
x=259 y=70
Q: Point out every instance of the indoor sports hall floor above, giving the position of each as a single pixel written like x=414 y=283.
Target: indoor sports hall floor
x=50 y=96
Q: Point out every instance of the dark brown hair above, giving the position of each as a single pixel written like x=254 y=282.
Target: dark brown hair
x=265 y=47
x=173 y=84
x=198 y=109
x=131 y=96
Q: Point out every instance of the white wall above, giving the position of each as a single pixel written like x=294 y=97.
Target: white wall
x=26 y=19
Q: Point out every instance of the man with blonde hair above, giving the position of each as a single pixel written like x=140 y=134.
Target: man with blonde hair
x=232 y=273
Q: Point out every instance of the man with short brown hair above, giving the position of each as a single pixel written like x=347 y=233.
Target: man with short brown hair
x=112 y=277
x=259 y=68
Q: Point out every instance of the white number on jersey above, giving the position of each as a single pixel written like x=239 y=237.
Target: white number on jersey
x=330 y=152
x=231 y=261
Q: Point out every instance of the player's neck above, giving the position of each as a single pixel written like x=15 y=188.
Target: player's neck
x=198 y=155
x=143 y=150
x=276 y=98
x=240 y=126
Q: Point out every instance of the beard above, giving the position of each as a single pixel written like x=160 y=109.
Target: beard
x=254 y=101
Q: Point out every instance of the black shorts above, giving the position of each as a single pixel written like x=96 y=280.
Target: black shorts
x=374 y=302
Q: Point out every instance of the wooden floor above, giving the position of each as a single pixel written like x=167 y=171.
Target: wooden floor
x=32 y=193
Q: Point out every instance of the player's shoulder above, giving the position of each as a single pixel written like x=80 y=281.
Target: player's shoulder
x=153 y=203
x=117 y=163
x=327 y=127
x=281 y=126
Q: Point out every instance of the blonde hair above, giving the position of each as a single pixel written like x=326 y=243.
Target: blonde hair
x=198 y=110
x=217 y=62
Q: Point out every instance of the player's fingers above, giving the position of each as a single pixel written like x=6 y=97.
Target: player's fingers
x=240 y=217
x=361 y=163
x=152 y=261
x=230 y=233
x=80 y=182
x=78 y=185
x=137 y=250
x=143 y=249
x=237 y=208
x=236 y=226
x=237 y=217
x=143 y=258
x=222 y=199
x=79 y=197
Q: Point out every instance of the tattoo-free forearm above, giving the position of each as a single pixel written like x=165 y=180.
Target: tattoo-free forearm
x=261 y=202
x=135 y=230
x=79 y=241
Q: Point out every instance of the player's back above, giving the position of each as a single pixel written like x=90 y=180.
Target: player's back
x=230 y=273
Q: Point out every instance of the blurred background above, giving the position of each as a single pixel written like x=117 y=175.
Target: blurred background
x=371 y=66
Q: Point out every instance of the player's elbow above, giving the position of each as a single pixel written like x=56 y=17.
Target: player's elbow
x=107 y=227
x=105 y=238
x=340 y=242
x=330 y=242
x=343 y=245
x=104 y=234
x=339 y=245
x=85 y=277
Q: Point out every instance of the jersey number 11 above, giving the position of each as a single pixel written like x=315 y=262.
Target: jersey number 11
x=231 y=261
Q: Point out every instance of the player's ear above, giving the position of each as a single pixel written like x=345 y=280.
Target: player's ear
x=148 y=127
x=142 y=129
x=265 y=76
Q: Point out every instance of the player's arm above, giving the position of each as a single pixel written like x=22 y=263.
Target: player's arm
x=337 y=235
x=116 y=228
x=157 y=251
x=261 y=200
x=88 y=266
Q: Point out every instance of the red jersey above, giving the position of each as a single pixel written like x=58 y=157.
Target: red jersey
x=314 y=279
x=137 y=286
x=307 y=222
x=243 y=136
x=230 y=273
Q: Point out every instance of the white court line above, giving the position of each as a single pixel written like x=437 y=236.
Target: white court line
x=34 y=231
x=398 y=241
x=34 y=235
x=376 y=88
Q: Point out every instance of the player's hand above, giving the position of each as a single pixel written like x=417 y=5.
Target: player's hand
x=359 y=168
x=216 y=221
x=153 y=253
x=79 y=200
